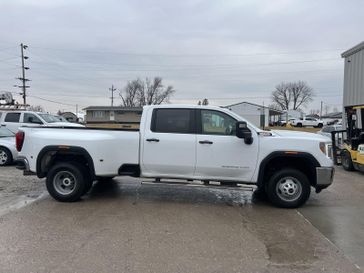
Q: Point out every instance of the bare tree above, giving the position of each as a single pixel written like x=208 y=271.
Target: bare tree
x=36 y=108
x=129 y=95
x=139 y=92
x=292 y=95
x=327 y=109
x=205 y=102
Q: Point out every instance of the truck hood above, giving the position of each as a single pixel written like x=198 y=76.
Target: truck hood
x=300 y=135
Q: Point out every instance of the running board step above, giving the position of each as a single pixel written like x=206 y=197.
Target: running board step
x=198 y=185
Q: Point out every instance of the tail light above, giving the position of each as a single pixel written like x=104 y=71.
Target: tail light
x=19 y=140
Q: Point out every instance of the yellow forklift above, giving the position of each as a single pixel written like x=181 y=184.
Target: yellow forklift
x=348 y=144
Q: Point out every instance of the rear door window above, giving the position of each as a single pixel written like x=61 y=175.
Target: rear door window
x=12 y=117
x=173 y=121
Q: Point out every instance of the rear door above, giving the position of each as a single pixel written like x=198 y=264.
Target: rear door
x=12 y=121
x=169 y=144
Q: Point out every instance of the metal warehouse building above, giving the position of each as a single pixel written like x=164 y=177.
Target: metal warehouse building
x=353 y=79
x=354 y=76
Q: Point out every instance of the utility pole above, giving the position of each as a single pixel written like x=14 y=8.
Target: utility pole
x=23 y=79
x=112 y=89
x=321 y=110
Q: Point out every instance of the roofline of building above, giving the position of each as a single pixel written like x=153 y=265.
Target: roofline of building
x=117 y=108
x=353 y=50
x=262 y=106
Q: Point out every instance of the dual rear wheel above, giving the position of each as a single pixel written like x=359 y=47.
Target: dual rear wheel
x=68 y=181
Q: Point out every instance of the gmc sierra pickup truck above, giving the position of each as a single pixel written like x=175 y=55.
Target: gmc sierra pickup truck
x=186 y=142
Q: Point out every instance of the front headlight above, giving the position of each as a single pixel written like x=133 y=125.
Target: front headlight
x=323 y=147
x=326 y=148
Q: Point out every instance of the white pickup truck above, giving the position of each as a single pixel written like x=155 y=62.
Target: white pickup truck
x=186 y=142
x=307 y=121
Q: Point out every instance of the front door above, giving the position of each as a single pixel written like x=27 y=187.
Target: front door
x=169 y=145
x=220 y=154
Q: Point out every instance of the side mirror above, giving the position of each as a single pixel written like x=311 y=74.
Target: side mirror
x=242 y=131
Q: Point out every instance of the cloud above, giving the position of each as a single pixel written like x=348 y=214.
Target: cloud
x=214 y=49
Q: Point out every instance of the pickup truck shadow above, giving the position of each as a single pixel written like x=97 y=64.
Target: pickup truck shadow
x=138 y=192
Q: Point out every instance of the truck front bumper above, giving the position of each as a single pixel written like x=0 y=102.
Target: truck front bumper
x=324 y=177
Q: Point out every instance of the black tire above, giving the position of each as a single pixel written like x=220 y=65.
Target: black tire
x=299 y=124
x=346 y=161
x=105 y=178
x=320 y=125
x=288 y=188
x=72 y=173
x=6 y=157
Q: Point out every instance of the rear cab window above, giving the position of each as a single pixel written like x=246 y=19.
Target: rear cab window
x=177 y=121
x=12 y=117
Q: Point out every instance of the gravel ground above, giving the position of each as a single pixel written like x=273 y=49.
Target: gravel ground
x=17 y=190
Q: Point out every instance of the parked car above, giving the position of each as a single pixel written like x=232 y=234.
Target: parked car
x=15 y=119
x=327 y=129
x=8 y=152
x=186 y=142
x=308 y=122
x=284 y=122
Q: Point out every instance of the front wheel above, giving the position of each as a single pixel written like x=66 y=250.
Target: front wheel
x=66 y=182
x=288 y=188
x=346 y=161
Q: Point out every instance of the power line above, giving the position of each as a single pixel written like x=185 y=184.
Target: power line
x=188 y=66
x=191 y=55
x=53 y=101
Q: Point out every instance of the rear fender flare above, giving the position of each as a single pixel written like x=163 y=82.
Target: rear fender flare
x=71 y=150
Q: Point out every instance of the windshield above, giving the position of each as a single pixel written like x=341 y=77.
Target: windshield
x=60 y=118
x=5 y=132
x=49 y=118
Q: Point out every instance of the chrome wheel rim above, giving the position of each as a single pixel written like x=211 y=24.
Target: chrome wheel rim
x=3 y=157
x=289 y=189
x=64 y=182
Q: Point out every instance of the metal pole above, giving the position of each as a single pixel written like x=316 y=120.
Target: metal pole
x=23 y=74
x=112 y=89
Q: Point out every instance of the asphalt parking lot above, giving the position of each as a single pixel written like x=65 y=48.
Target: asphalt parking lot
x=124 y=226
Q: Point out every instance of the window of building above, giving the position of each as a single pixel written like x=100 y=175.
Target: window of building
x=98 y=114
x=173 y=121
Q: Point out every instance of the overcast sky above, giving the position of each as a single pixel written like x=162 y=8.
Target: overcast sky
x=226 y=51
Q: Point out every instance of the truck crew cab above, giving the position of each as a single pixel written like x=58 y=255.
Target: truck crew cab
x=186 y=142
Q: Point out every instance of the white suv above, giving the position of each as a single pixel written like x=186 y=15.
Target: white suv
x=15 y=119
x=307 y=121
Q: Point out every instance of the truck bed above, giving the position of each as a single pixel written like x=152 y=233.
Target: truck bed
x=108 y=148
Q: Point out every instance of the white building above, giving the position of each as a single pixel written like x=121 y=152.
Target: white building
x=259 y=115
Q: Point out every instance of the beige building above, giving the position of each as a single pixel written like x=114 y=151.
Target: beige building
x=113 y=117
